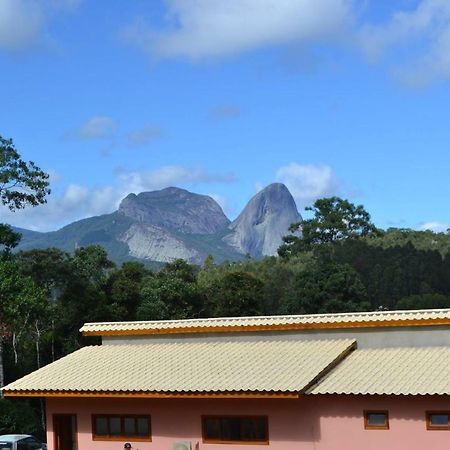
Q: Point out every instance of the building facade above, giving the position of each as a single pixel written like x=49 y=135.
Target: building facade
x=323 y=382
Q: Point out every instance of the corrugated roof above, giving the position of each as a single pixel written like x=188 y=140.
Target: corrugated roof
x=264 y=366
x=311 y=321
x=396 y=371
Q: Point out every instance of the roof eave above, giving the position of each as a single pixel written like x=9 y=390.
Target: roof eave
x=122 y=394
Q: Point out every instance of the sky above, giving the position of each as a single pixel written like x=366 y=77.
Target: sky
x=222 y=97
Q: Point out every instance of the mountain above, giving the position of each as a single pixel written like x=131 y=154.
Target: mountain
x=264 y=221
x=175 y=209
x=160 y=226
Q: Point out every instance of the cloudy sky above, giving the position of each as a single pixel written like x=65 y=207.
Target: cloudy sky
x=222 y=97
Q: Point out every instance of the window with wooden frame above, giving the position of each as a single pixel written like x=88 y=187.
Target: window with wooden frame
x=438 y=420
x=376 y=420
x=114 y=427
x=235 y=429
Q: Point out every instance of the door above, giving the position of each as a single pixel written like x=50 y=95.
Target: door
x=65 y=430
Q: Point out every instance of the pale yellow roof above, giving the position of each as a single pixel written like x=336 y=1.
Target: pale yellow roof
x=291 y=322
x=229 y=366
x=397 y=371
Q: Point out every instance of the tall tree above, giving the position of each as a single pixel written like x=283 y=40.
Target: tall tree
x=325 y=288
x=9 y=239
x=21 y=303
x=22 y=183
x=236 y=293
x=172 y=293
x=334 y=219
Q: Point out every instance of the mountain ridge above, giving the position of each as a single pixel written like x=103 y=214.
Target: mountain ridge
x=163 y=225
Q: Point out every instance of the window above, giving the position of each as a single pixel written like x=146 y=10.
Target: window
x=29 y=443
x=376 y=420
x=226 y=429
x=438 y=420
x=118 y=427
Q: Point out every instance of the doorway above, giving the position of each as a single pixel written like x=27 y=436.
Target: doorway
x=65 y=431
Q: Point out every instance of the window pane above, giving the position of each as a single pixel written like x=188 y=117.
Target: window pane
x=33 y=443
x=129 y=425
x=231 y=429
x=5 y=446
x=101 y=426
x=439 y=420
x=114 y=426
x=143 y=426
x=254 y=429
x=212 y=428
x=376 y=419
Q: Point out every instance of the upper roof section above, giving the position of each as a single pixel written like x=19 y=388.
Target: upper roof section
x=408 y=318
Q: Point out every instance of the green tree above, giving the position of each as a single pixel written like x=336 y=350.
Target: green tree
x=424 y=301
x=84 y=298
x=92 y=263
x=21 y=183
x=21 y=303
x=19 y=416
x=123 y=290
x=236 y=293
x=334 y=220
x=9 y=239
x=50 y=269
x=172 y=293
x=325 y=288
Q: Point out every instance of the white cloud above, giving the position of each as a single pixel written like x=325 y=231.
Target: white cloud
x=214 y=28
x=23 y=22
x=436 y=226
x=308 y=182
x=145 y=135
x=424 y=34
x=78 y=202
x=97 y=127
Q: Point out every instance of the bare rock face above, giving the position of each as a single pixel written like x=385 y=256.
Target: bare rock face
x=155 y=244
x=259 y=229
x=175 y=209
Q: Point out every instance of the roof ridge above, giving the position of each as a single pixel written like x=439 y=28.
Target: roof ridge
x=403 y=318
x=278 y=316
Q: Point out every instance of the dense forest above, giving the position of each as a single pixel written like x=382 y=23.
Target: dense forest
x=338 y=262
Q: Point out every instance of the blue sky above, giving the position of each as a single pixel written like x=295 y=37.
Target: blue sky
x=225 y=96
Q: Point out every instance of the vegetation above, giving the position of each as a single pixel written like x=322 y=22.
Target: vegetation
x=21 y=183
x=335 y=262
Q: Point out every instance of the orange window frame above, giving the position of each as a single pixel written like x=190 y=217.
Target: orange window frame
x=207 y=440
x=368 y=426
x=432 y=427
x=122 y=436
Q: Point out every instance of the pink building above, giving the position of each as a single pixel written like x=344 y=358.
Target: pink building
x=378 y=380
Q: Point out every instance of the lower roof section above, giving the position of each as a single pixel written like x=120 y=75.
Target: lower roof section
x=393 y=371
x=164 y=369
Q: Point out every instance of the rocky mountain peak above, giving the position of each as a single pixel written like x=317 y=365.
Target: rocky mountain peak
x=175 y=209
x=259 y=229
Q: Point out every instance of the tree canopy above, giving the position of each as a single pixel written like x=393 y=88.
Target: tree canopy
x=22 y=183
x=334 y=220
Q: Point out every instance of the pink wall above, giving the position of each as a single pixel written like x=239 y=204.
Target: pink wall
x=312 y=423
